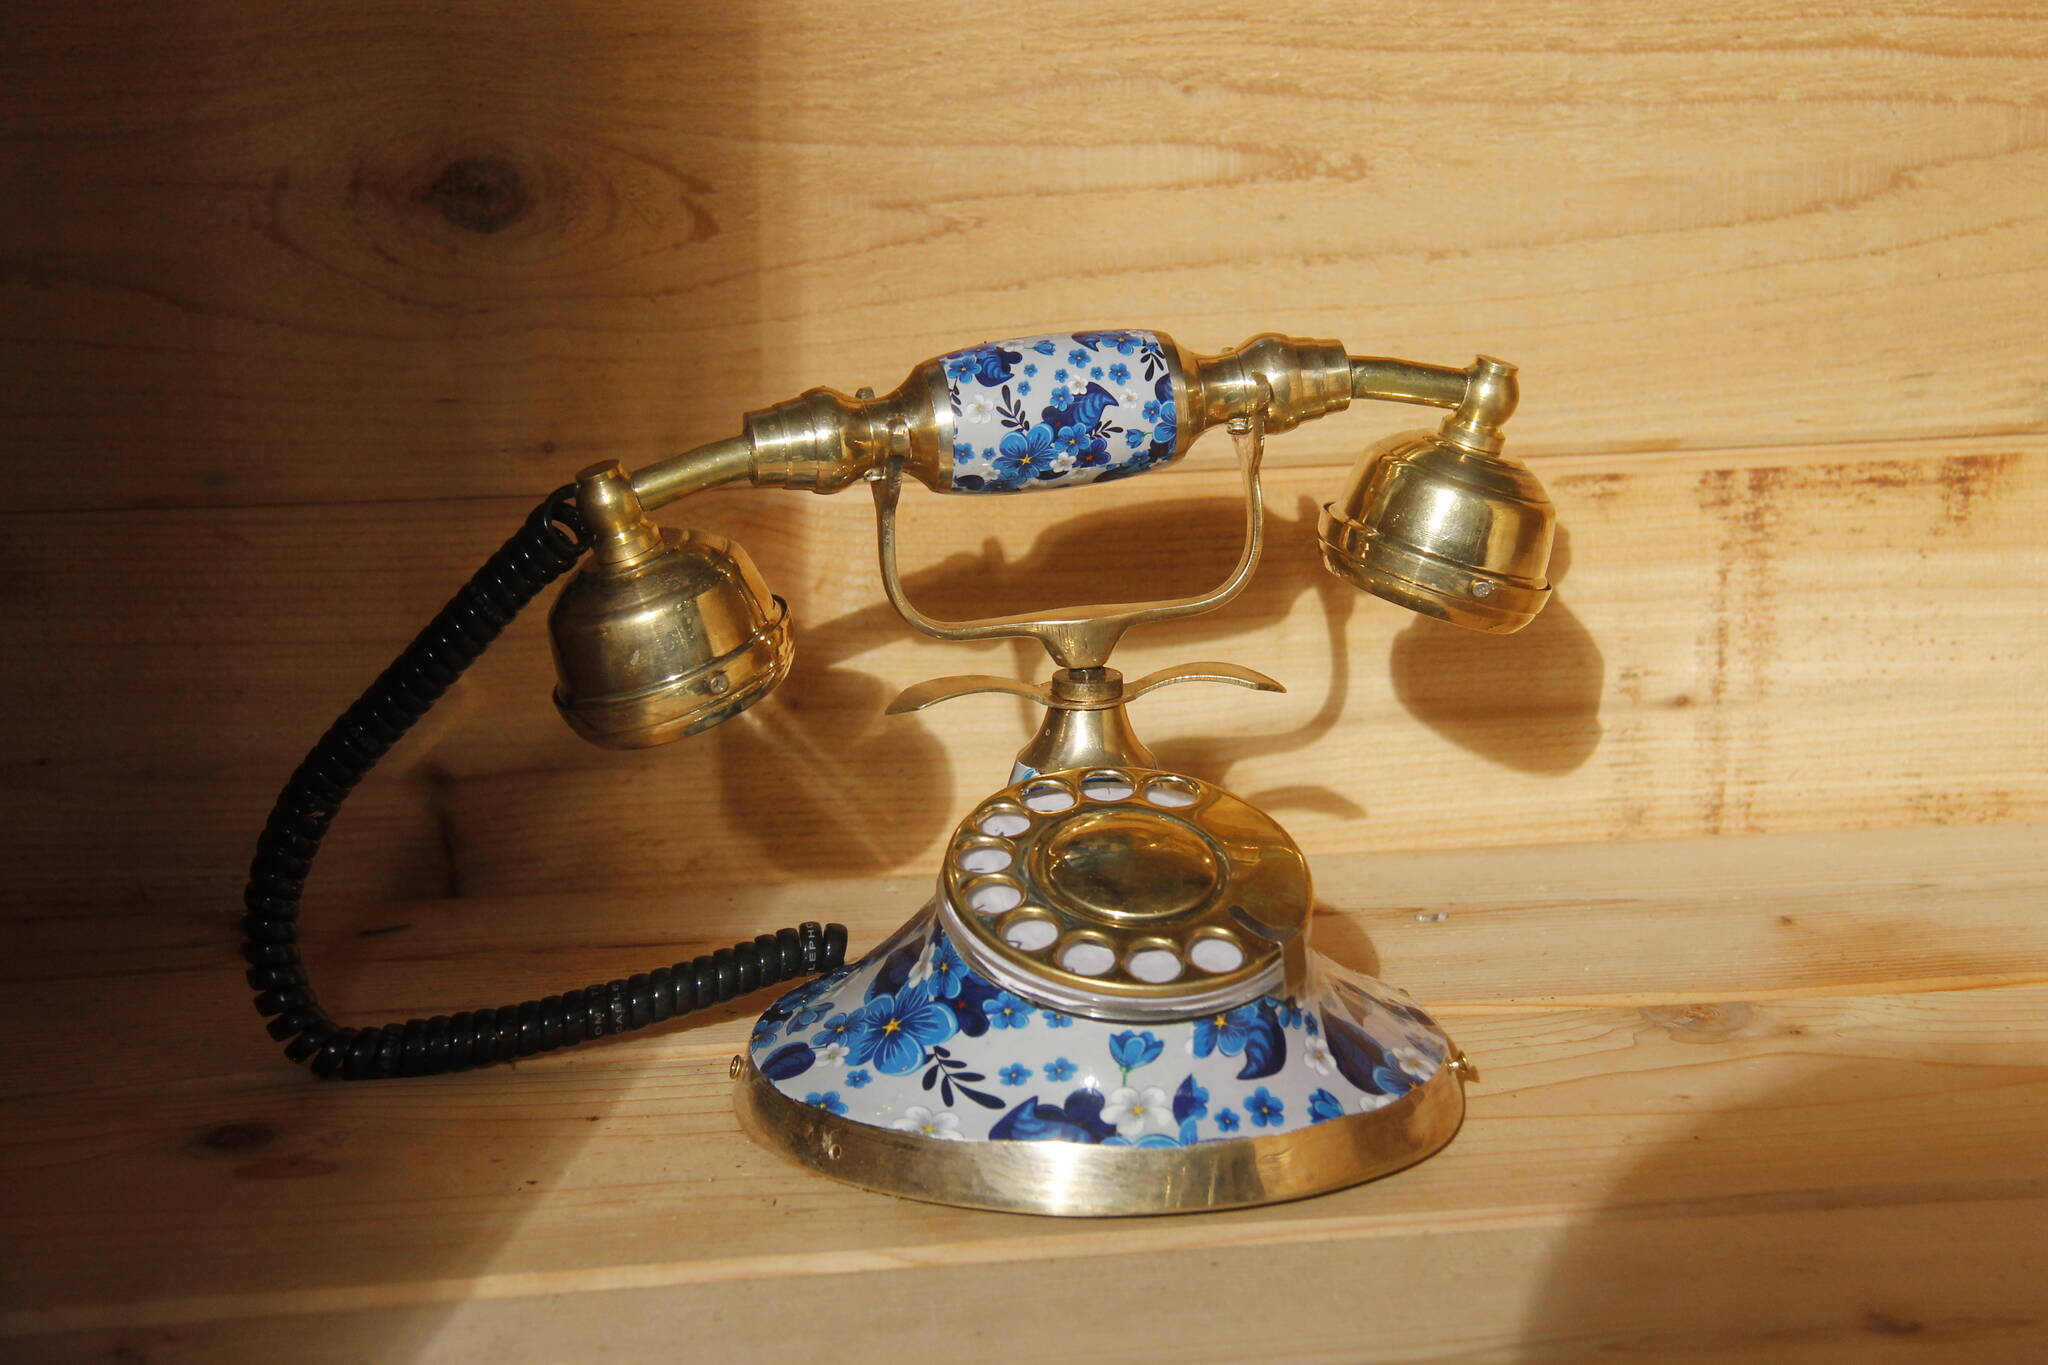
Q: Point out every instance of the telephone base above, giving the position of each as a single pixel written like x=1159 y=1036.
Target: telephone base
x=911 y=1073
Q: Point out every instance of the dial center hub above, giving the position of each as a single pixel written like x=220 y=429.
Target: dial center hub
x=1128 y=864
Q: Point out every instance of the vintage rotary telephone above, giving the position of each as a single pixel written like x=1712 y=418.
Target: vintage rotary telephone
x=1108 y=1005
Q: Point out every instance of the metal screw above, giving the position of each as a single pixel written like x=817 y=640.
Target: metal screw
x=832 y=1151
x=737 y=1065
x=1482 y=588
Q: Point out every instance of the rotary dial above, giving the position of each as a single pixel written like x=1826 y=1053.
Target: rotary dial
x=1123 y=891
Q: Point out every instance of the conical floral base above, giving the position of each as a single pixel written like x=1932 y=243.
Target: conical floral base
x=912 y=1073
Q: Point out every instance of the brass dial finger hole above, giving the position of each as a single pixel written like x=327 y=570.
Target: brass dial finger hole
x=993 y=895
x=1003 y=823
x=1047 y=795
x=1154 y=961
x=1087 y=955
x=983 y=858
x=1030 y=931
x=1170 y=791
x=1216 y=952
x=1106 y=784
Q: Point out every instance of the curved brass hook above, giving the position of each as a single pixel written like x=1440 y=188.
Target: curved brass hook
x=1081 y=636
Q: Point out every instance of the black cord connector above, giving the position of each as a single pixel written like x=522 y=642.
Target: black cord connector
x=548 y=545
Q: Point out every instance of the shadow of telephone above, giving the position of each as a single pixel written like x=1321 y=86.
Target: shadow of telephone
x=1108 y=1006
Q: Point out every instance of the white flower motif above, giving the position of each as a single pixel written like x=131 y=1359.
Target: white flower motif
x=1318 y=1057
x=832 y=1054
x=1368 y=1103
x=922 y=972
x=1412 y=1060
x=1133 y=1111
x=978 y=410
x=918 y=1119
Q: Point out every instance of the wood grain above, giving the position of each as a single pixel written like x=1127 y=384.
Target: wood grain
x=1836 y=637
x=1739 y=851
x=242 y=271
x=1627 y=1130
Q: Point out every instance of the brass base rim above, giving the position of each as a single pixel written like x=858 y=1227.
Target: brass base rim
x=1076 y=1180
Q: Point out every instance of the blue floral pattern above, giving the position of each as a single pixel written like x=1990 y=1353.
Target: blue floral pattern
x=914 y=1038
x=1107 y=412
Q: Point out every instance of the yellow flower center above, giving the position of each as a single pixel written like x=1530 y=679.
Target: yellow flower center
x=891 y=1026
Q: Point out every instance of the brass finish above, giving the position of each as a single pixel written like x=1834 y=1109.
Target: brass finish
x=663 y=634
x=1460 y=535
x=1085 y=723
x=1439 y=523
x=1072 y=1179
x=1130 y=858
x=1079 y=637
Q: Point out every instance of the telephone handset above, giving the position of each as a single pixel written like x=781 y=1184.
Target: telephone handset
x=1109 y=1004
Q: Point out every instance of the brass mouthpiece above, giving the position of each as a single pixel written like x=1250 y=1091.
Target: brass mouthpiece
x=665 y=633
x=1444 y=524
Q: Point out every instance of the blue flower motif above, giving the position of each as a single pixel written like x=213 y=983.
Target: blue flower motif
x=1030 y=370
x=1311 y=1026
x=1095 y=372
x=963 y=452
x=1071 y=442
x=1133 y=1050
x=1134 y=439
x=1158 y=410
x=1265 y=1108
x=1164 y=435
x=1191 y=1101
x=1224 y=1033
x=1392 y=1080
x=1288 y=1011
x=859 y=1078
x=828 y=1101
x=837 y=1030
x=1077 y=356
x=1059 y=1070
x=1119 y=373
x=1007 y=1011
x=810 y=1014
x=1044 y=348
x=1016 y=1073
x=946 y=970
x=960 y=368
x=1323 y=1105
x=761 y=1034
x=1023 y=388
x=1027 y=454
x=1059 y=377
x=1226 y=1119
x=893 y=1030
x=1061 y=396
x=1054 y=1020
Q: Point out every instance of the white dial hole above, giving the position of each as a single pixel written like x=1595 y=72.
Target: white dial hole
x=1216 y=955
x=1105 y=789
x=1005 y=823
x=1155 y=965
x=983 y=860
x=1030 y=934
x=992 y=900
x=1049 y=799
x=1087 y=959
x=1167 y=794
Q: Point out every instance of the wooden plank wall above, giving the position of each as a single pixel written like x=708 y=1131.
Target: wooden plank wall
x=301 y=306
x=305 y=304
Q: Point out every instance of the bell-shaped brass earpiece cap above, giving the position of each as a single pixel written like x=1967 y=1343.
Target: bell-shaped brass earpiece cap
x=1451 y=532
x=665 y=633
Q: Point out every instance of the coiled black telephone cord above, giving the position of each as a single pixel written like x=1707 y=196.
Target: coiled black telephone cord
x=548 y=545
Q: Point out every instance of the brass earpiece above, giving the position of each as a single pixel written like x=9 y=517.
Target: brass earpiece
x=1442 y=523
x=664 y=633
